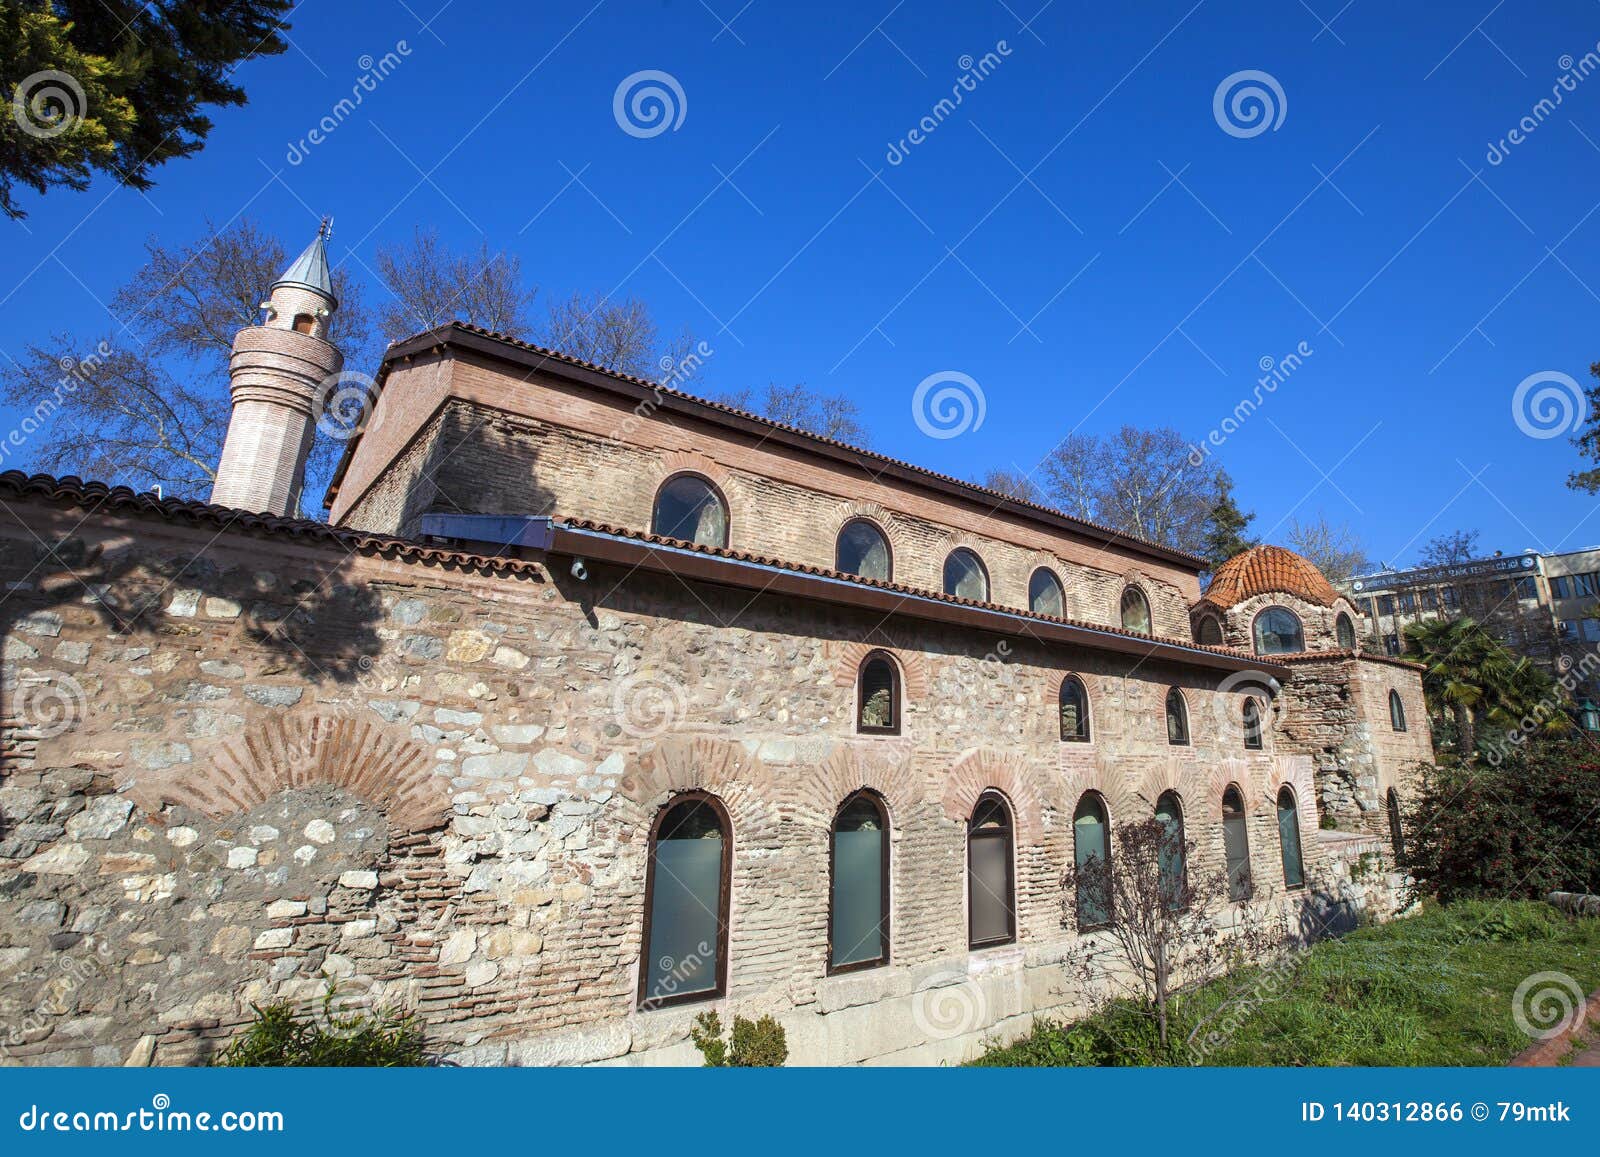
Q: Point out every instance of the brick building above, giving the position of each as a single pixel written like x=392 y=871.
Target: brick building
x=595 y=704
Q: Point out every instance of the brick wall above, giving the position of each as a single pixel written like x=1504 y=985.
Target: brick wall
x=235 y=762
x=504 y=441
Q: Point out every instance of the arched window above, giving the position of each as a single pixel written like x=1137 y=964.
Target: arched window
x=1177 y=718
x=878 y=695
x=1074 y=710
x=965 y=577
x=862 y=549
x=1236 y=844
x=1278 y=632
x=1091 y=852
x=1209 y=631
x=1346 y=632
x=688 y=507
x=1172 y=862
x=685 y=945
x=1397 y=712
x=1252 y=723
x=1396 y=836
x=1135 y=610
x=304 y=323
x=1294 y=871
x=991 y=907
x=1045 y=596
x=858 y=915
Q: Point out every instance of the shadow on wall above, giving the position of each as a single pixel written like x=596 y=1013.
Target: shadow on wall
x=82 y=614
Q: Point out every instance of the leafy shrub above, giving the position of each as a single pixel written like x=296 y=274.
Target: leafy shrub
x=1521 y=829
x=753 y=1044
x=280 y=1037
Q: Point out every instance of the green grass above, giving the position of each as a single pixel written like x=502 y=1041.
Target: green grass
x=1431 y=989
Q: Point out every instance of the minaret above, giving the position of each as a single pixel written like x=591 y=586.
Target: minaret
x=276 y=376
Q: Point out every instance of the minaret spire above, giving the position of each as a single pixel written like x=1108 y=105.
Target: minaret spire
x=276 y=376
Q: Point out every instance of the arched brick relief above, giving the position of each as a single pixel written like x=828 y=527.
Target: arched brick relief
x=393 y=774
x=846 y=660
x=888 y=770
x=880 y=516
x=725 y=480
x=1231 y=770
x=980 y=770
x=1295 y=771
x=1177 y=774
x=1063 y=573
x=989 y=553
x=726 y=770
x=1114 y=779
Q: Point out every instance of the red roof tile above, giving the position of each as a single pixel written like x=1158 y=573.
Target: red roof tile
x=1268 y=570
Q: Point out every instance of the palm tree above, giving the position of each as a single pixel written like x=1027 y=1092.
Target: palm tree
x=1471 y=678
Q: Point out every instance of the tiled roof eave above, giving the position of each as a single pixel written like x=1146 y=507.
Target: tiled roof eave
x=580 y=536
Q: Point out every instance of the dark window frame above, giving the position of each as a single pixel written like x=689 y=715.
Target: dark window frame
x=1397 y=711
x=1215 y=624
x=1183 y=847
x=1248 y=881
x=1187 y=738
x=1255 y=630
x=895 y=693
x=1344 y=625
x=882 y=806
x=1259 y=742
x=1396 y=832
x=888 y=547
x=1300 y=844
x=1099 y=800
x=1122 y=610
x=983 y=570
x=1061 y=588
x=1086 y=722
x=716 y=492
x=725 y=897
x=1008 y=833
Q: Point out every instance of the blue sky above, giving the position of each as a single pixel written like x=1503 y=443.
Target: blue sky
x=1081 y=236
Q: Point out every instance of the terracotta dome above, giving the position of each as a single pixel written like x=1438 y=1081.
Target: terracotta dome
x=1263 y=570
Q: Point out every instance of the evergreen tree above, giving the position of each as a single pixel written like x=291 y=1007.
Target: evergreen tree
x=116 y=85
x=1225 y=536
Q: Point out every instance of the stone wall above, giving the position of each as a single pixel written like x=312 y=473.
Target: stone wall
x=238 y=761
